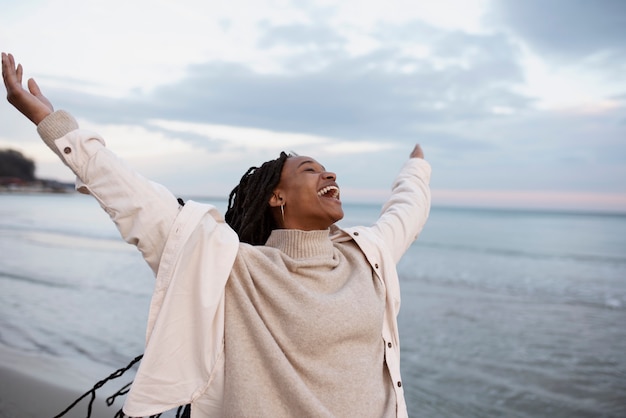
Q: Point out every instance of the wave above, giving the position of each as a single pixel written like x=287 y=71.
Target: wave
x=57 y=238
x=513 y=291
x=80 y=232
x=34 y=280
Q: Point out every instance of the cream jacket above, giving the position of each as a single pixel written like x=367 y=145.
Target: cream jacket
x=191 y=251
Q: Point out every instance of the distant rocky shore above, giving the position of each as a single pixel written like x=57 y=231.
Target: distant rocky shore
x=17 y=185
x=17 y=175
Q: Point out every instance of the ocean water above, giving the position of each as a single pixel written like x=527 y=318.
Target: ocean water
x=504 y=313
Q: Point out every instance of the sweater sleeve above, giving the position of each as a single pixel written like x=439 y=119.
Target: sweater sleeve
x=142 y=210
x=405 y=213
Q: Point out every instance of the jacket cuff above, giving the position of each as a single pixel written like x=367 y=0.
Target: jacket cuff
x=55 y=126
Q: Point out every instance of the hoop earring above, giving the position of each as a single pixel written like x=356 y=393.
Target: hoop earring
x=282 y=212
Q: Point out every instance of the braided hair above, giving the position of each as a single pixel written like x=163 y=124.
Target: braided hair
x=249 y=212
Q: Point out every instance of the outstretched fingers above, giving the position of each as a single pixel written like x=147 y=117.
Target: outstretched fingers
x=417 y=152
x=31 y=103
x=9 y=72
x=11 y=76
x=6 y=68
x=19 y=72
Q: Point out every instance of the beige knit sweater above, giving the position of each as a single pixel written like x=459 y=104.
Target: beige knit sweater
x=303 y=331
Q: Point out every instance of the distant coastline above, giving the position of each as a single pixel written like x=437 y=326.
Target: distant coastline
x=17 y=185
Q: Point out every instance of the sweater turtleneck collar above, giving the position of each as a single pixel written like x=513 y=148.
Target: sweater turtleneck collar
x=301 y=244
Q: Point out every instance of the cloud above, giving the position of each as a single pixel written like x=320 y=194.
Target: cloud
x=257 y=139
x=568 y=29
x=299 y=36
x=540 y=150
x=387 y=94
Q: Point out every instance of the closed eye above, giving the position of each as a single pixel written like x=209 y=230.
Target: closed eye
x=311 y=166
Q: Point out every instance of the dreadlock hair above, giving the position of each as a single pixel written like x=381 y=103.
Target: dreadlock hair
x=249 y=212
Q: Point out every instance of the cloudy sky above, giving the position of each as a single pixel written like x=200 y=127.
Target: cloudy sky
x=516 y=103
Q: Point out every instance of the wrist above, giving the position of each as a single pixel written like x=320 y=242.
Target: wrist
x=39 y=117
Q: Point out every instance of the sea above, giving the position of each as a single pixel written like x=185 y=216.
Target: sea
x=505 y=313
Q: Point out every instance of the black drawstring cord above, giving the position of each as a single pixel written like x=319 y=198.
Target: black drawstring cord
x=123 y=391
x=98 y=385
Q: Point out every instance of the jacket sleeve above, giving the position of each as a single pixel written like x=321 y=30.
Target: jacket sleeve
x=142 y=210
x=405 y=213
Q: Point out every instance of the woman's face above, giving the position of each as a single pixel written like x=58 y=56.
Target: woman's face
x=309 y=193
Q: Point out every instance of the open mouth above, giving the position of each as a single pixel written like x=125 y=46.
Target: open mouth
x=331 y=192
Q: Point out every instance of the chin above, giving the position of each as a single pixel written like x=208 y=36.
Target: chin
x=338 y=217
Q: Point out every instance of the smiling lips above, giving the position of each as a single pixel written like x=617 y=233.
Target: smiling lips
x=329 y=192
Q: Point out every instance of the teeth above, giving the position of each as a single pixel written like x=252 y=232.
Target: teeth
x=327 y=189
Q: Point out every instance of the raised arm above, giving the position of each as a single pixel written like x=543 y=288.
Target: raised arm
x=405 y=213
x=142 y=210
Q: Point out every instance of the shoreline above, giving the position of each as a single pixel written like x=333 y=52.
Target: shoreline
x=42 y=386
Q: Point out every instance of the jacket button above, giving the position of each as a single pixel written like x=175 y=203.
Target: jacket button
x=376 y=265
x=67 y=150
x=389 y=345
x=399 y=384
x=356 y=233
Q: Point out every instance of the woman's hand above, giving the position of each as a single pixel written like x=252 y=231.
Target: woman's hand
x=31 y=103
x=417 y=152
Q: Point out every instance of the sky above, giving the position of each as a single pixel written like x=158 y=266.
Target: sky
x=518 y=104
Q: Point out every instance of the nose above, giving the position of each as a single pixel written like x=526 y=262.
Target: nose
x=329 y=175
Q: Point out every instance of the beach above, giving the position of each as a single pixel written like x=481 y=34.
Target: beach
x=504 y=313
x=34 y=386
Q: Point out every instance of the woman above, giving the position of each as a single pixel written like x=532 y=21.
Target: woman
x=272 y=311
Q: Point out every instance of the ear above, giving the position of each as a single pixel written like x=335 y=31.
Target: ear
x=276 y=199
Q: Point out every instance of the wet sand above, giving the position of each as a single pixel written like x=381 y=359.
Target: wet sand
x=41 y=387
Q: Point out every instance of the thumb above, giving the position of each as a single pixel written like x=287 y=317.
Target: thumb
x=33 y=87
